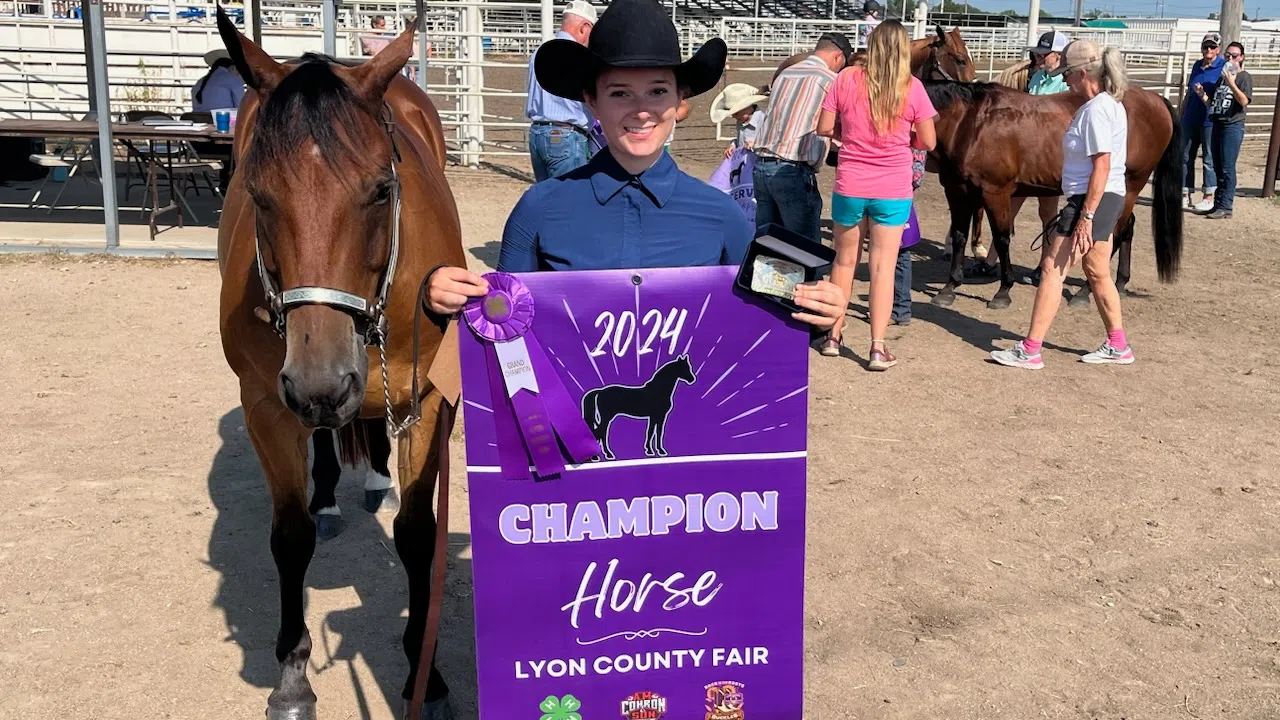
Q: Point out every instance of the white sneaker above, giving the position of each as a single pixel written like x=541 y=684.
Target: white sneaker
x=1018 y=357
x=1205 y=205
x=1186 y=202
x=1107 y=355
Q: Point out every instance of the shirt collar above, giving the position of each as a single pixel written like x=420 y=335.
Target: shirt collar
x=562 y=35
x=658 y=182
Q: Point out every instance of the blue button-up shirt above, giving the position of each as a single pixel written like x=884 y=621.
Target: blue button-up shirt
x=600 y=217
x=544 y=106
x=222 y=91
x=1194 y=112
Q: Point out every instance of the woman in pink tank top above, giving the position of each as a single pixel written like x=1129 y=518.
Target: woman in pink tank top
x=878 y=112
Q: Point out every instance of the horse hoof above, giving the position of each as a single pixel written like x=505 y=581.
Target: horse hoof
x=302 y=711
x=385 y=499
x=329 y=527
x=944 y=299
x=1078 y=300
x=999 y=302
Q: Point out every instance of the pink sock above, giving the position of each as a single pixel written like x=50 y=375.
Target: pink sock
x=1116 y=339
x=1031 y=346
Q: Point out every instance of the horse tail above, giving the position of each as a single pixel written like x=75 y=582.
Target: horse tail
x=353 y=440
x=1166 y=210
x=591 y=401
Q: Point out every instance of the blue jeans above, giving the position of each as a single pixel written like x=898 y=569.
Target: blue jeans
x=902 y=286
x=787 y=195
x=1227 y=138
x=1199 y=137
x=555 y=150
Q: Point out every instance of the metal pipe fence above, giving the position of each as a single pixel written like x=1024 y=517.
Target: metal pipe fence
x=154 y=59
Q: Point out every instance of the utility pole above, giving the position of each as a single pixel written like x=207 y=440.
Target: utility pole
x=1033 y=23
x=1079 y=11
x=1229 y=20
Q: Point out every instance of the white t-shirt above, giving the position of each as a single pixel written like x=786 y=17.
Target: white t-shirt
x=1100 y=125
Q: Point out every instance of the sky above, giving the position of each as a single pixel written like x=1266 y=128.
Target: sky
x=1172 y=8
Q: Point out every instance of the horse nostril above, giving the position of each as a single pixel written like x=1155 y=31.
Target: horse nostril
x=345 y=390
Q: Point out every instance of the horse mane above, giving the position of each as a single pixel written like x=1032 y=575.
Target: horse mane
x=1015 y=76
x=311 y=102
x=944 y=93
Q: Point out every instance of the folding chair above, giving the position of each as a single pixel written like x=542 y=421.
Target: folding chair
x=56 y=160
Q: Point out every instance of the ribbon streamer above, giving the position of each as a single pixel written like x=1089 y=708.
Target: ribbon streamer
x=537 y=421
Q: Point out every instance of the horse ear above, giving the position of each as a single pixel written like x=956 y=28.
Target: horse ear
x=371 y=78
x=258 y=70
x=942 y=34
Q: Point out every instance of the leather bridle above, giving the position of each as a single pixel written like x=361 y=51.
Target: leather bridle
x=935 y=65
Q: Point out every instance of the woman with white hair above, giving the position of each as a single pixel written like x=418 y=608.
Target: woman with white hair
x=1093 y=167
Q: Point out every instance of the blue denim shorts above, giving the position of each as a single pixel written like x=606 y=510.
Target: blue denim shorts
x=849 y=211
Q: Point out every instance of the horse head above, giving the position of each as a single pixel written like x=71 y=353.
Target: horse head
x=684 y=369
x=948 y=58
x=318 y=160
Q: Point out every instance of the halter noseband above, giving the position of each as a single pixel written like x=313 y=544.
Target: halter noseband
x=368 y=317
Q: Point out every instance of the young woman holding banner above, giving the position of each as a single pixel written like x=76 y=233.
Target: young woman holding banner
x=630 y=206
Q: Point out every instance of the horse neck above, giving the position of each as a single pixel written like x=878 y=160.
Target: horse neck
x=920 y=50
x=668 y=372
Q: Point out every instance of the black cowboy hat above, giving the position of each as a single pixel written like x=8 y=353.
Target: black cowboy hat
x=630 y=34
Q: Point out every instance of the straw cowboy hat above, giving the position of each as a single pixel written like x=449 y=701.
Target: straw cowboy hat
x=215 y=55
x=630 y=34
x=735 y=98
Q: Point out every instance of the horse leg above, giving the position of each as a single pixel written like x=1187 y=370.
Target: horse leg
x=1124 y=246
x=415 y=538
x=650 y=446
x=962 y=209
x=1000 y=212
x=379 y=493
x=659 y=434
x=281 y=443
x=325 y=471
x=603 y=437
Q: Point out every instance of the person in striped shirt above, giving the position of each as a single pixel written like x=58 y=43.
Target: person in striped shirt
x=788 y=147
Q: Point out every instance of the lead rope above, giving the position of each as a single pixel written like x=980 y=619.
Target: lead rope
x=1045 y=231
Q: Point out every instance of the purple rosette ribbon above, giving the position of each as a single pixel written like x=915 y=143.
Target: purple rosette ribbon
x=537 y=422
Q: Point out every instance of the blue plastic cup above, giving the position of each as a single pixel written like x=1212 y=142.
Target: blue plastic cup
x=222 y=120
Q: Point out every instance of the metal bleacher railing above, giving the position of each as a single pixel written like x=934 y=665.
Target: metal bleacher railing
x=479 y=52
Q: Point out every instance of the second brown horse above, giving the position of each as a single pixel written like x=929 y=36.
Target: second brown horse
x=995 y=142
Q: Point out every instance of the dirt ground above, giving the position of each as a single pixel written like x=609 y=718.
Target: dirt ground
x=1082 y=542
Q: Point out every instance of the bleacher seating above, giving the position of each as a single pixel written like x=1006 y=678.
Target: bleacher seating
x=803 y=9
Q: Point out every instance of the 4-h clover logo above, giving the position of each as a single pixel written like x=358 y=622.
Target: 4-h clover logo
x=565 y=708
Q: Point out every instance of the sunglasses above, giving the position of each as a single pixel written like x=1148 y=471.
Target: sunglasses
x=1208 y=46
x=1235 y=55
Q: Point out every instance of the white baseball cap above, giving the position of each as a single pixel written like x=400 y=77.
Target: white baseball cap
x=1051 y=42
x=582 y=9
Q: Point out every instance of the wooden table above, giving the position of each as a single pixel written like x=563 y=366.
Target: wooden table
x=127 y=134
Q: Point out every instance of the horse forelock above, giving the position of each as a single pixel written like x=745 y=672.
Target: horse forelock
x=311 y=104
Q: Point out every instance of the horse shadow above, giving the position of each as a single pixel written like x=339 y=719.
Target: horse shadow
x=361 y=558
x=487 y=253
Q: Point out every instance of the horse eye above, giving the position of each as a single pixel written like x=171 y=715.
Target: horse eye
x=382 y=194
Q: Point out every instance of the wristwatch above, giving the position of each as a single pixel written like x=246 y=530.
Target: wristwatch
x=1088 y=215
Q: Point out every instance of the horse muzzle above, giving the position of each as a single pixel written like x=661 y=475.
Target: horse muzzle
x=325 y=369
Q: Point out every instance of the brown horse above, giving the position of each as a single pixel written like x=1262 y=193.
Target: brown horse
x=337 y=212
x=995 y=142
x=943 y=57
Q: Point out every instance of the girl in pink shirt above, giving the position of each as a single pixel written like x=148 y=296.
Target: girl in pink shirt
x=878 y=112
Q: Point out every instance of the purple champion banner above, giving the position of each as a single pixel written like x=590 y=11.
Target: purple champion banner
x=665 y=577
